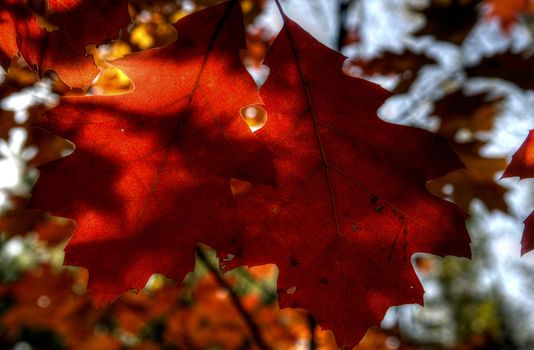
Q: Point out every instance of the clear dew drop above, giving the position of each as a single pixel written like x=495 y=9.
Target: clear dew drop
x=255 y=117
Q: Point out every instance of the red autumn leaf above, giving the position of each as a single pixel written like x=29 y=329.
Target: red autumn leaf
x=507 y=66
x=44 y=299
x=449 y=20
x=476 y=181
x=8 y=45
x=151 y=173
x=527 y=242
x=74 y=24
x=350 y=206
x=472 y=112
x=458 y=111
x=508 y=11
x=522 y=165
x=406 y=66
x=49 y=229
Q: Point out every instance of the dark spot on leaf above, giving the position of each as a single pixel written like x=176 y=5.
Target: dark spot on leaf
x=400 y=215
x=294 y=262
x=405 y=248
x=354 y=227
x=323 y=280
x=379 y=208
x=374 y=199
x=391 y=250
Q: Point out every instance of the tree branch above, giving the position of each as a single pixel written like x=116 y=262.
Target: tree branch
x=253 y=328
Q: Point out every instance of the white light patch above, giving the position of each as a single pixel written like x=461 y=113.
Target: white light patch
x=20 y=102
x=14 y=247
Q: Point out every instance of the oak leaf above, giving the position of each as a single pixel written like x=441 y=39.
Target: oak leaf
x=508 y=11
x=522 y=165
x=350 y=206
x=44 y=300
x=150 y=176
x=527 y=243
x=460 y=111
x=476 y=181
x=449 y=20
x=472 y=113
x=406 y=66
x=49 y=229
x=8 y=45
x=507 y=66
x=152 y=172
x=20 y=221
x=72 y=24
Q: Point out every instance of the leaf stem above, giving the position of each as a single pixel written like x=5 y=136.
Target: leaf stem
x=312 y=325
x=253 y=327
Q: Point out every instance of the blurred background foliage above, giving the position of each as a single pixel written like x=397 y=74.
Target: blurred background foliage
x=46 y=306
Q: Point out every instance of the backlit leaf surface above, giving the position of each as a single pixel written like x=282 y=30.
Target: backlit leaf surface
x=150 y=176
x=350 y=206
x=522 y=165
x=72 y=24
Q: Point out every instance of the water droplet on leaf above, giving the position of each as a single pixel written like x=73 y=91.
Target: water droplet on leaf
x=255 y=117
